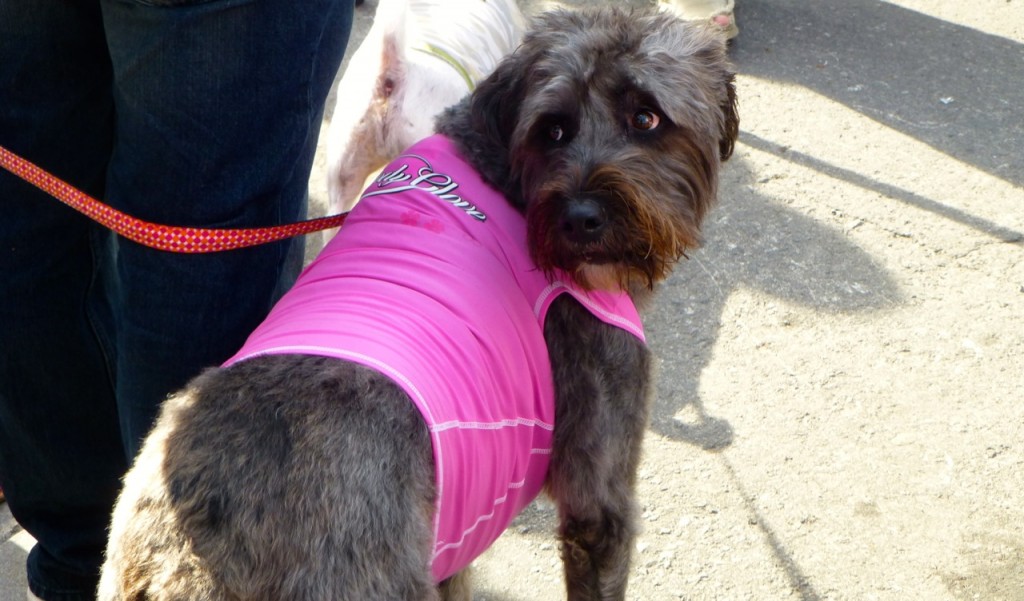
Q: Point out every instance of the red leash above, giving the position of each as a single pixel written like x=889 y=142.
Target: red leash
x=153 y=235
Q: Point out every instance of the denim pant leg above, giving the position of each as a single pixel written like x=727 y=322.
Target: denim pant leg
x=218 y=109
x=215 y=108
x=60 y=451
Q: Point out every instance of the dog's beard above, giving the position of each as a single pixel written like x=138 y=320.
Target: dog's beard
x=619 y=261
x=648 y=228
x=609 y=276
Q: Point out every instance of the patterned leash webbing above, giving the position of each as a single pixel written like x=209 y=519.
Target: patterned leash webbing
x=161 y=237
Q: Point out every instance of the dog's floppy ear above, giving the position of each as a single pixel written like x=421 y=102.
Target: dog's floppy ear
x=483 y=123
x=730 y=118
x=494 y=105
x=705 y=80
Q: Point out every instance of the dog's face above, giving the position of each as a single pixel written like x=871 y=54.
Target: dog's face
x=613 y=125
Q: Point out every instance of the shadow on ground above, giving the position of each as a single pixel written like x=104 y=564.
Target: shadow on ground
x=753 y=243
x=954 y=88
x=949 y=86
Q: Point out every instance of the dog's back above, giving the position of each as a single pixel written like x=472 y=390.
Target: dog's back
x=239 y=489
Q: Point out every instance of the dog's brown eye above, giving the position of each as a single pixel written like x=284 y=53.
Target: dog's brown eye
x=645 y=120
x=556 y=133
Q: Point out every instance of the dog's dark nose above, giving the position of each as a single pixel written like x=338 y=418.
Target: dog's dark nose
x=583 y=220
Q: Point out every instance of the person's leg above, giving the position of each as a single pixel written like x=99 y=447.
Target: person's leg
x=226 y=139
x=60 y=452
x=218 y=109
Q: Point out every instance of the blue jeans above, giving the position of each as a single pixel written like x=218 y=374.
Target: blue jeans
x=180 y=112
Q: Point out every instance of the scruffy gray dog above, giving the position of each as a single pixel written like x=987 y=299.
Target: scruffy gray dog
x=316 y=474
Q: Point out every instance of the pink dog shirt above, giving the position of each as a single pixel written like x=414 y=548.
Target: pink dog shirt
x=430 y=284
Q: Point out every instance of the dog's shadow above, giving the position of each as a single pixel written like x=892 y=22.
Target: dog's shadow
x=756 y=243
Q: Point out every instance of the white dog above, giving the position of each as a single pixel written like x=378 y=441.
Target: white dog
x=419 y=57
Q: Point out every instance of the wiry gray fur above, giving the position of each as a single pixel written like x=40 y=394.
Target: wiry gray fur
x=310 y=479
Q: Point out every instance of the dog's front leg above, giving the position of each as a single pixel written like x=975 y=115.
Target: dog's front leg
x=601 y=387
